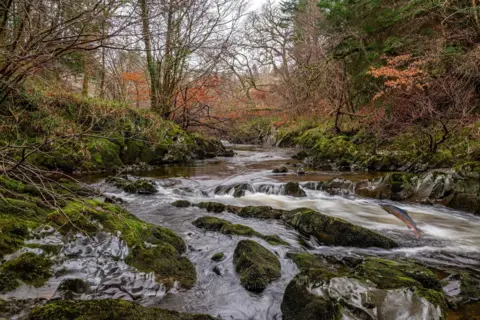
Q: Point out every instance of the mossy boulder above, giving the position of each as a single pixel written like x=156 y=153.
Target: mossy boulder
x=153 y=248
x=30 y=268
x=262 y=212
x=373 y=288
x=139 y=186
x=293 y=189
x=255 y=265
x=181 y=204
x=212 y=206
x=334 y=231
x=225 y=227
x=106 y=310
x=282 y=169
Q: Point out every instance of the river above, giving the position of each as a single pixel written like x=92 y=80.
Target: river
x=451 y=238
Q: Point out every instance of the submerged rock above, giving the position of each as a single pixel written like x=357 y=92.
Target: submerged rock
x=334 y=231
x=212 y=206
x=225 y=227
x=389 y=290
x=255 y=265
x=106 y=310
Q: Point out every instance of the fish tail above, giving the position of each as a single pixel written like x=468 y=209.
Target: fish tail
x=418 y=232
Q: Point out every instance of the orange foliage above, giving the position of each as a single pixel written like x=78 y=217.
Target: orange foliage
x=137 y=86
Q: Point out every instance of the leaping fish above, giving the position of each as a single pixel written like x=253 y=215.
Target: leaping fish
x=403 y=215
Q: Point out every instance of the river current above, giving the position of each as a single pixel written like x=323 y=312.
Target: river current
x=451 y=238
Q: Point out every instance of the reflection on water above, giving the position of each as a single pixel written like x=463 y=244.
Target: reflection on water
x=451 y=238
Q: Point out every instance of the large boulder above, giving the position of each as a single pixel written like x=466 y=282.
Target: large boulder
x=293 y=189
x=334 y=231
x=255 y=265
x=388 y=290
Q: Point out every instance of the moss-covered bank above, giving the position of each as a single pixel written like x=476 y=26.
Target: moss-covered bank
x=106 y=310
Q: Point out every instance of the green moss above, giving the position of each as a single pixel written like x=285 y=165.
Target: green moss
x=21 y=209
x=469 y=286
x=390 y=274
x=300 y=304
x=106 y=310
x=219 y=256
x=74 y=285
x=255 y=265
x=13 y=232
x=165 y=261
x=140 y=186
x=212 y=206
x=104 y=154
x=181 y=204
x=32 y=269
x=434 y=297
x=225 y=227
x=333 y=231
x=258 y=212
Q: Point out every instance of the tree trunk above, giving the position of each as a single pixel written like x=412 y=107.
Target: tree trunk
x=148 y=51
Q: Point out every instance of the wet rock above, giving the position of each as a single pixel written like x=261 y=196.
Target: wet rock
x=255 y=265
x=72 y=288
x=461 y=289
x=218 y=256
x=334 y=231
x=282 y=169
x=181 y=204
x=114 y=200
x=212 y=206
x=262 y=212
x=240 y=190
x=300 y=171
x=218 y=270
x=388 y=290
x=225 y=227
x=139 y=186
x=105 y=310
x=293 y=189
x=300 y=155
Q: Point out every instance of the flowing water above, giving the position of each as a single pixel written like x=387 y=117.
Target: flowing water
x=451 y=238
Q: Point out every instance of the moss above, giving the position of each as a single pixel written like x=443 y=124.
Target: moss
x=255 y=265
x=435 y=297
x=181 y=204
x=21 y=209
x=164 y=258
x=13 y=232
x=165 y=261
x=259 y=212
x=390 y=274
x=140 y=186
x=104 y=154
x=51 y=249
x=212 y=206
x=225 y=227
x=333 y=231
x=105 y=310
x=32 y=269
x=293 y=189
x=469 y=286
x=219 y=256
x=300 y=304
